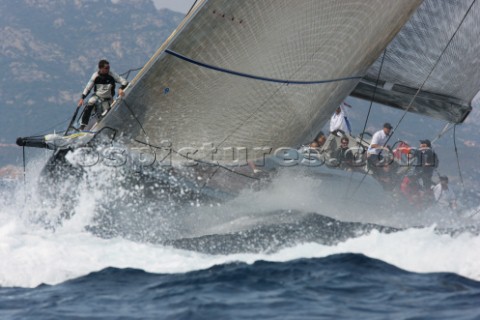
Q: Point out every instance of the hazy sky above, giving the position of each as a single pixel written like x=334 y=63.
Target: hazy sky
x=176 y=5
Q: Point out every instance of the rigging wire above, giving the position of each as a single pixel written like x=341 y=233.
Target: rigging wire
x=24 y=174
x=147 y=138
x=70 y=124
x=126 y=74
x=136 y=119
x=48 y=130
x=366 y=121
x=191 y=8
x=208 y=179
x=374 y=93
x=24 y=167
x=448 y=127
x=458 y=158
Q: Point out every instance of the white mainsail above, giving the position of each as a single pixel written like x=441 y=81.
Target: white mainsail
x=256 y=73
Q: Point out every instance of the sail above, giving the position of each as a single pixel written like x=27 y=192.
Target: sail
x=255 y=74
x=437 y=52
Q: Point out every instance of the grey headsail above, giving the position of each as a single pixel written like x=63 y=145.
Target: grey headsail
x=255 y=73
x=437 y=52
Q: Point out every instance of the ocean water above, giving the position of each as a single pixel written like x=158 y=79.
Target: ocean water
x=272 y=255
x=339 y=286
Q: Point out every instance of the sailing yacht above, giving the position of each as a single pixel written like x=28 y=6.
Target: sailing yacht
x=240 y=82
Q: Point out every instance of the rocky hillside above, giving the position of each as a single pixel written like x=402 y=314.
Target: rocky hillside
x=49 y=48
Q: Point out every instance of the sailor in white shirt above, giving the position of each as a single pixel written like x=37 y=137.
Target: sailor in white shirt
x=444 y=196
x=379 y=140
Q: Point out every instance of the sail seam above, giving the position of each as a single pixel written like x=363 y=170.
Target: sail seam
x=254 y=77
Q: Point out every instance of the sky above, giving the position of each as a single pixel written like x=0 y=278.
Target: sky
x=175 y=5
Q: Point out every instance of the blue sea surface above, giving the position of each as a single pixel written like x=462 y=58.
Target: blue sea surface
x=341 y=286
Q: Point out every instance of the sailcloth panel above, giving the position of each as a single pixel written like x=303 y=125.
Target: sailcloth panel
x=249 y=73
x=437 y=51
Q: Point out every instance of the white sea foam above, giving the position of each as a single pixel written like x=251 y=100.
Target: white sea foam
x=31 y=254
